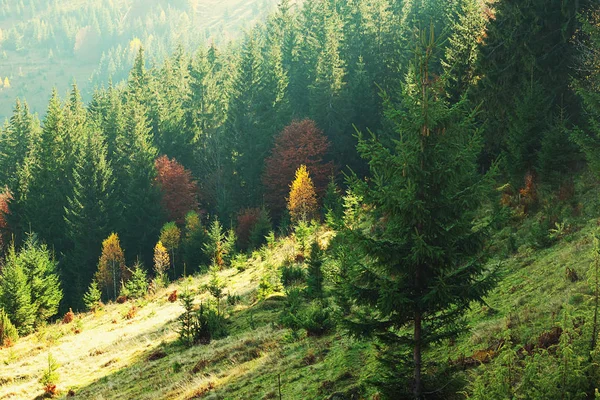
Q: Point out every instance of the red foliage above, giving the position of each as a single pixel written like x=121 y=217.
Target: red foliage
x=245 y=222
x=69 y=317
x=5 y=198
x=179 y=190
x=173 y=297
x=50 y=389
x=299 y=143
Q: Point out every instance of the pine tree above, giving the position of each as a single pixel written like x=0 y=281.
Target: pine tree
x=93 y=297
x=315 y=278
x=42 y=278
x=408 y=231
x=135 y=173
x=213 y=247
x=15 y=293
x=8 y=332
x=88 y=212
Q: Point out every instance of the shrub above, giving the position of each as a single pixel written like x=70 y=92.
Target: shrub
x=265 y=286
x=131 y=313
x=292 y=275
x=240 y=262
x=316 y=319
x=172 y=297
x=8 y=332
x=69 y=317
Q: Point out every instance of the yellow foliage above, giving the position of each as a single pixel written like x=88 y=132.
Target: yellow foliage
x=111 y=266
x=6 y=82
x=161 y=258
x=302 y=202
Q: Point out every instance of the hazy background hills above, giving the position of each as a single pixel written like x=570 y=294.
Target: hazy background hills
x=47 y=43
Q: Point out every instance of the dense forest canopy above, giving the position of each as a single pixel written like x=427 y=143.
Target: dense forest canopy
x=416 y=130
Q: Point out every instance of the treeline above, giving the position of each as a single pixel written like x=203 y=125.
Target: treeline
x=450 y=91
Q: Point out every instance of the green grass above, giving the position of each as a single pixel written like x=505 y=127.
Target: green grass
x=111 y=357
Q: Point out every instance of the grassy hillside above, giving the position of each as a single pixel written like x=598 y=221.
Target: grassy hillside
x=47 y=44
x=105 y=355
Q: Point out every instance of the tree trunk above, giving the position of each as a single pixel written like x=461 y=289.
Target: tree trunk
x=418 y=389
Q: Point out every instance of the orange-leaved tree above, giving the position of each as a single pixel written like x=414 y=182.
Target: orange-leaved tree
x=111 y=266
x=302 y=202
x=300 y=143
x=178 y=188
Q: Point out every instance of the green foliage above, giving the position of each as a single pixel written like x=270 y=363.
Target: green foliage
x=137 y=286
x=292 y=275
x=193 y=241
x=29 y=285
x=8 y=332
x=201 y=325
x=215 y=286
x=413 y=249
x=260 y=230
x=15 y=294
x=92 y=298
x=50 y=376
x=315 y=278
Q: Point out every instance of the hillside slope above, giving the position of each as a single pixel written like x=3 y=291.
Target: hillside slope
x=113 y=357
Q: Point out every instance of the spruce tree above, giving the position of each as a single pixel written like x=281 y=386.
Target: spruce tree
x=87 y=213
x=42 y=278
x=411 y=246
x=15 y=293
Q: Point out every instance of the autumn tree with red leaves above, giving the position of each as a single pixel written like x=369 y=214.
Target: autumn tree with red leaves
x=179 y=190
x=300 y=143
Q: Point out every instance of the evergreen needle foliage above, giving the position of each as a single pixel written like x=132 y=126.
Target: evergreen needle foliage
x=410 y=229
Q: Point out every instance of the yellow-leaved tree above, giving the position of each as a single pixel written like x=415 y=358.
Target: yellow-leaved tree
x=302 y=202
x=161 y=260
x=111 y=266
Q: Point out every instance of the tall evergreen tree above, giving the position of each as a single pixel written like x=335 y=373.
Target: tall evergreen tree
x=408 y=231
x=88 y=214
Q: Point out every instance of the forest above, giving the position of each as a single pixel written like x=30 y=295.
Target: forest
x=46 y=44
x=412 y=181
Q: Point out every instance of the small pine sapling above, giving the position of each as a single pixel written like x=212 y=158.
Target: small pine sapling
x=92 y=298
x=50 y=377
x=8 y=332
x=314 y=279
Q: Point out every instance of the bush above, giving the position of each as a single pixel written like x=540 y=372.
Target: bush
x=8 y=332
x=292 y=275
x=316 y=319
x=68 y=317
